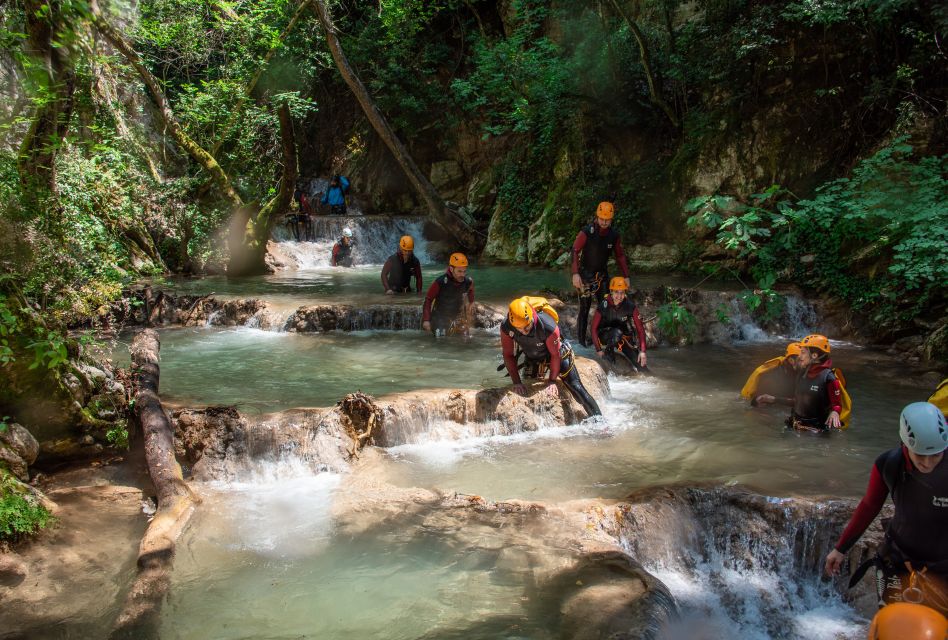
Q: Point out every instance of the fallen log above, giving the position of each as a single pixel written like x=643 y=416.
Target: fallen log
x=176 y=501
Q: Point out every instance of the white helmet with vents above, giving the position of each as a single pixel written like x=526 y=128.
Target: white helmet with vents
x=922 y=428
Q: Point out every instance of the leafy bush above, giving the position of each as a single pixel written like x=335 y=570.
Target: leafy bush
x=876 y=239
x=20 y=515
x=675 y=321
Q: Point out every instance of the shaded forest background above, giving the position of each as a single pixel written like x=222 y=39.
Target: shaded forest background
x=787 y=142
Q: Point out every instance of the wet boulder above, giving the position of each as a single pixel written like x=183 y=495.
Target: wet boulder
x=449 y=414
x=18 y=450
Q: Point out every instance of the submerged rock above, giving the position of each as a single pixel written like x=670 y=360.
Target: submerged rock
x=18 y=450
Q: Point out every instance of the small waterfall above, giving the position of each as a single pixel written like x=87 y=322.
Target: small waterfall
x=375 y=238
x=741 y=565
x=799 y=317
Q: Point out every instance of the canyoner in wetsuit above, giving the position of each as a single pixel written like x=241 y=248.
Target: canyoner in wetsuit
x=590 y=268
x=538 y=338
x=450 y=299
x=617 y=327
x=912 y=562
x=398 y=270
x=342 y=250
x=775 y=380
x=820 y=402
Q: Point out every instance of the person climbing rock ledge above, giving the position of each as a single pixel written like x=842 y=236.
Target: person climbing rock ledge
x=590 y=267
x=617 y=327
x=448 y=305
x=531 y=325
x=398 y=270
x=912 y=563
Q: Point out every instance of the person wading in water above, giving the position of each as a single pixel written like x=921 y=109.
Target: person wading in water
x=342 y=250
x=617 y=327
x=448 y=305
x=398 y=270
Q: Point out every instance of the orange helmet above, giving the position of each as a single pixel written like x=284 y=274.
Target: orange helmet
x=793 y=349
x=816 y=341
x=905 y=621
x=407 y=243
x=457 y=260
x=618 y=284
x=605 y=210
x=521 y=313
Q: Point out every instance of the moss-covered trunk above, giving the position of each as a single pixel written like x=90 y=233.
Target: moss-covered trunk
x=253 y=225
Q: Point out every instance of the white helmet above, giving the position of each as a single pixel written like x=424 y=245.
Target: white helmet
x=922 y=428
x=347 y=232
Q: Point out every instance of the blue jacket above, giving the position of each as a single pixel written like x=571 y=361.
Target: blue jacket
x=336 y=195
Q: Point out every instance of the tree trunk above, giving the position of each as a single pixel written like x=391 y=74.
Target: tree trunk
x=176 y=502
x=247 y=254
x=193 y=149
x=653 y=93
x=36 y=160
x=452 y=223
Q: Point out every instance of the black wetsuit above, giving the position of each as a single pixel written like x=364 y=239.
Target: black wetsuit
x=448 y=300
x=536 y=351
x=618 y=329
x=916 y=533
x=811 y=406
x=343 y=254
x=593 y=270
x=400 y=273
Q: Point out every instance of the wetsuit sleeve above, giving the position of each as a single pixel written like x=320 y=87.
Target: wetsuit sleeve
x=639 y=329
x=578 y=245
x=507 y=344
x=553 y=346
x=834 y=395
x=385 y=269
x=418 y=284
x=335 y=253
x=597 y=318
x=620 y=258
x=868 y=508
x=433 y=292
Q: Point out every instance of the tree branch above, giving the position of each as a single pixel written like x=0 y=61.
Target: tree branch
x=193 y=149
x=653 y=93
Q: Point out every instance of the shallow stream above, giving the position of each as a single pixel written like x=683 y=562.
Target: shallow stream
x=269 y=556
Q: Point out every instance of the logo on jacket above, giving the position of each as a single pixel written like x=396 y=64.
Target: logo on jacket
x=939 y=502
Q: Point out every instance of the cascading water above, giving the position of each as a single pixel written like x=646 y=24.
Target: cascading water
x=742 y=566
x=375 y=238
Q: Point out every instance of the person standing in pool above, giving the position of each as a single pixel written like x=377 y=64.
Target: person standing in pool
x=448 y=304
x=398 y=270
x=342 y=250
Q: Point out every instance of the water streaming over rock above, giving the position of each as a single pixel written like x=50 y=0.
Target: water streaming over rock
x=741 y=565
x=375 y=238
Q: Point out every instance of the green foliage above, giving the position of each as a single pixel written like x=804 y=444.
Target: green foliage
x=675 y=321
x=722 y=313
x=4 y=423
x=118 y=435
x=20 y=515
x=878 y=238
x=18 y=335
